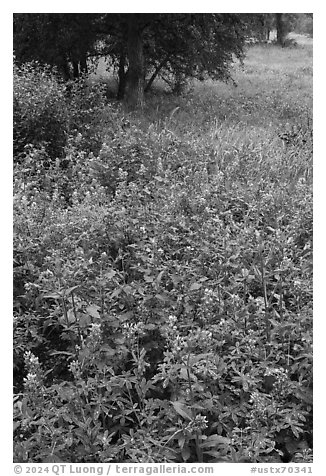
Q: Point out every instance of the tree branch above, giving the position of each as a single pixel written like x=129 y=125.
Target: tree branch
x=156 y=71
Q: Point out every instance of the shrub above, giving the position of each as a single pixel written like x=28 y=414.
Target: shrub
x=48 y=112
x=40 y=116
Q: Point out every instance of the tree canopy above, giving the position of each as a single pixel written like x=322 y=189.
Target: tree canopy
x=141 y=46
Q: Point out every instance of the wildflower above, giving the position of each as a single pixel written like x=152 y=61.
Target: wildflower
x=159 y=165
x=31 y=361
x=34 y=378
x=258 y=401
x=75 y=369
x=31 y=382
x=172 y=319
x=95 y=334
x=31 y=286
x=122 y=175
x=199 y=423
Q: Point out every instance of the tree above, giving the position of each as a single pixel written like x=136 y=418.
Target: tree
x=268 y=23
x=194 y=46
x=58 y=39
x=134 y=98
x=177 y=47
x=280 y=29
x=142 y=46
x=258 y=25
x=302 y=23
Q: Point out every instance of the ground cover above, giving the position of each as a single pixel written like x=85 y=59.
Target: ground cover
x=163 y=269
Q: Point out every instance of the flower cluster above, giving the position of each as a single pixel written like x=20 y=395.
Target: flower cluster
x=94 y=337
x=199 y=423
x=170 y=330
x=34 y=379
x=132 y=330
x=75 y=369
x=264 y=407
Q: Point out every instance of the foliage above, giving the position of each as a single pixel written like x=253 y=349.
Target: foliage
x=163 y=283
x=48 y=113
x=260 y=25
x=304 y=24
x=58 y=39
x=39 y=113
x=175 y=46
x=179 y=46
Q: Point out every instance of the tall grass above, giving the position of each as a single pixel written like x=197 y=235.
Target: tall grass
x=244 y=123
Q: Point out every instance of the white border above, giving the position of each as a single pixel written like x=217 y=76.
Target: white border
x=319 y=182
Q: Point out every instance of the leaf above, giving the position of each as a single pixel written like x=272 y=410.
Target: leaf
x=182 y=410
x=124 y=317
x=217 y=455
x=108 y=350
x=181 y=440
x=70 y=319
x=175 y=279
x=84 y=320
x=306 y=396
x=186 y=453
x=66 y=393
x=16 y=425
x=110 y=274
x=196 y=358
x=159 y=277
x=71 y=316
x=128 y=289
x=215 y=440
x=61 y=352
x=195 y=286
x=115 y=293
x=257 y=272
x=162 y=297
x=93 y=311
x=70 y=290
x=183 y=373
x=56 y=295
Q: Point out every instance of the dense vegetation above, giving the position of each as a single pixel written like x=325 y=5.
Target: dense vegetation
x=163 y=268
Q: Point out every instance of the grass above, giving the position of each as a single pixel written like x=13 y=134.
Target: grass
x=274 y=85
x=273 y=94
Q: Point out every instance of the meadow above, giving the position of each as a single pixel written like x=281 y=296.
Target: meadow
x=163 y=268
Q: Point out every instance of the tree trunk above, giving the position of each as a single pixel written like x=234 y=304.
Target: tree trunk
x=122 y=75
x=268 y=21
x=179 y=83
x=75 y=66
x=134 y=97
x=83 y=64
x=63 y=67
x=280 y=30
